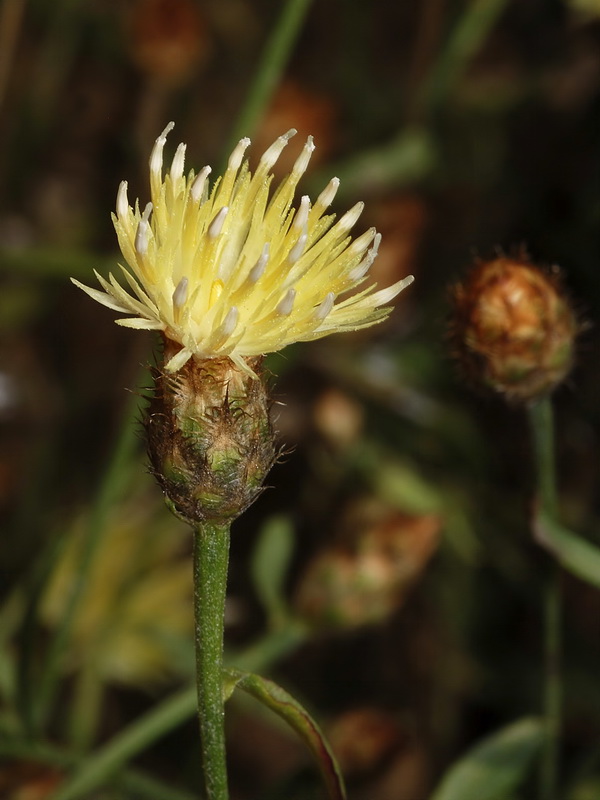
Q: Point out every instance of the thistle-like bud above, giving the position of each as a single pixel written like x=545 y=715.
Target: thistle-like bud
x=210 y=438
x=513 y=329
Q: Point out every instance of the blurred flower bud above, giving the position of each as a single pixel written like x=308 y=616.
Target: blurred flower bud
x=338 y=417
x=168 y=39
x=295 y=106
x=363 y=738
x=513 y=329
x=24 y=780
x=402 y=221
x=348 y=587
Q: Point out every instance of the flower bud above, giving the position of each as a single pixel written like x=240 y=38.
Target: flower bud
x=347 y=587
x=168 y=39
x=514 y=330
x=28 y=780
x=210 y=438
x=364 y=738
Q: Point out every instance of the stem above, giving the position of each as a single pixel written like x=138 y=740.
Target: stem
x=273 y=62
x=542 y=428
x=466 y=38
x=552 y=685
x=211 y=554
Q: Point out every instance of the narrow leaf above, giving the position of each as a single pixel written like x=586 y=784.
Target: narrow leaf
x=575 y=554
x=100 y=767
x=495 y=766
x=270 y=562
x=290 y=710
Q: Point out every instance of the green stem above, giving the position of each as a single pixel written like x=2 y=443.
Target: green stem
x=467 y=37
x=211 y=555
x=542 y=428
x=272 y=64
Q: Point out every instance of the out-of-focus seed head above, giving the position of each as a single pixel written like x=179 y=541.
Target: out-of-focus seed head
x=338 y=418
x=347 y=587
x=364 y=738
x=513 y=329
x=168 y=39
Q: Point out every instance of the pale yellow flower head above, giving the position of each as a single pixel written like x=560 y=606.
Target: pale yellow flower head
x=236 y=270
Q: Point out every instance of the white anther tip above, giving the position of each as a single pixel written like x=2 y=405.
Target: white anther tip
x=156 y=156
x=272 y=153
x=141 y=237
x=199 y=183
x=297 y=249
x=301 y=217
x=260 y=266
x=122 y=201
x=180 y=293
x=216 y=226
x=286 y=305
x=166 y=132
x=327 y=196
x=178 y=162
x=235 y=159
x=325 y=307
x=230 y=321
x=304 y=157
x=351 y=217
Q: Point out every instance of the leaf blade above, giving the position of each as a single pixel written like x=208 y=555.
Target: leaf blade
x=270 y=561
x=494 y=766
x=579 y=556
x=290 y=710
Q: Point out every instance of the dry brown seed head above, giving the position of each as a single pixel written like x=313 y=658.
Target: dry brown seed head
x=513 y=329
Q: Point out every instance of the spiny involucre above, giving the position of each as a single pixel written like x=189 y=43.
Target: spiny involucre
x=235 y=271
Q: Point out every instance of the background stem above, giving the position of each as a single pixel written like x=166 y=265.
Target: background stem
x=275 y=56
x=211 y=554
x=542 y=429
